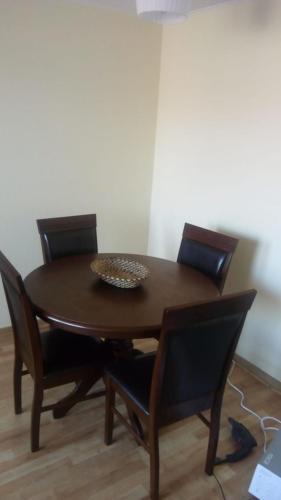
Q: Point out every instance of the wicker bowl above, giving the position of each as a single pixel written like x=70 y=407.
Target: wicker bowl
x=120 y=271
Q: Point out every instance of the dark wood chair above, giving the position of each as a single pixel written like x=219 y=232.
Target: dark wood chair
x=208 y=251
x=65 y=236
x=52 y=358
x=74 y=235
x=185 y=377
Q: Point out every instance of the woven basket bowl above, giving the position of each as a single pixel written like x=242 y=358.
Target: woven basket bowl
x=120 y=271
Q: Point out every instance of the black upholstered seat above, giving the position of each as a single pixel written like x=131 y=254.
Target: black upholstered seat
x=205 y=258
x=134 y=375
x=66 y=236
x=63 y=350
x=207 y=251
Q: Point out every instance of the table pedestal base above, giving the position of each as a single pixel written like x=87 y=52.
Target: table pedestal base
x=79 y=393
x=123 y=349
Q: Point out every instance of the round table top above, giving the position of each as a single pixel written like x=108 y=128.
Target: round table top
x=67 y=294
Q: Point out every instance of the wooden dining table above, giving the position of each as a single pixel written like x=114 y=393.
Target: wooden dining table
x=67 y=294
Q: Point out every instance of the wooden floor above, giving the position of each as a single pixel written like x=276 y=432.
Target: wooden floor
x=73 y=462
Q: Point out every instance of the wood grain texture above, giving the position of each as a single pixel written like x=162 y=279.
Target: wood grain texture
x=75 y=464
x=67 y=294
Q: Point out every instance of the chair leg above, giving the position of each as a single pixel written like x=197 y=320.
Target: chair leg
x=109 y=415
x=17 y=384
x=213 y=440
x=35 y=416
x=154 y=464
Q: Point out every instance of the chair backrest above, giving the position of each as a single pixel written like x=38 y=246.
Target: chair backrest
x=196 y=347
x=65 y=236
x=208 y=251
x=25 y=328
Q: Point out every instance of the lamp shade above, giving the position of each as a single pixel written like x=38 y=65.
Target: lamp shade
x=163 y=11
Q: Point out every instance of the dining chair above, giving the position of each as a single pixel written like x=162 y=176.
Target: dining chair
x=208 y=251
x=74 y=235
x=65 y=236
x=185 y=377
x=52 y=358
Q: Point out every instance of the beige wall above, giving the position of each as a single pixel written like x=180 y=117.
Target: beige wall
x=78 y=101
x=218 y=152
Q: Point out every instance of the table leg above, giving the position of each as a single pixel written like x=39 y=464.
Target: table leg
x=76 y=395
x=123 y=349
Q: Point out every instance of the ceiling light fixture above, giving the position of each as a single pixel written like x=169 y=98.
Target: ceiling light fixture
x=163 y=11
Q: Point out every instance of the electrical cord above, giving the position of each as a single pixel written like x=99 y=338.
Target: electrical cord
x=220 y=486
x=261 y=419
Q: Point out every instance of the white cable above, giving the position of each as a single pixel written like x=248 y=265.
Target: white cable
x=261 y=419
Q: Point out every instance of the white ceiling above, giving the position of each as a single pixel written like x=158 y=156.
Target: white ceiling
x=130 y=5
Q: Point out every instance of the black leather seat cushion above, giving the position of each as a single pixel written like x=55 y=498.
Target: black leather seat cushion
x=134 y=376
x=62 y=350
x=207 y=259
x=72 y=242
